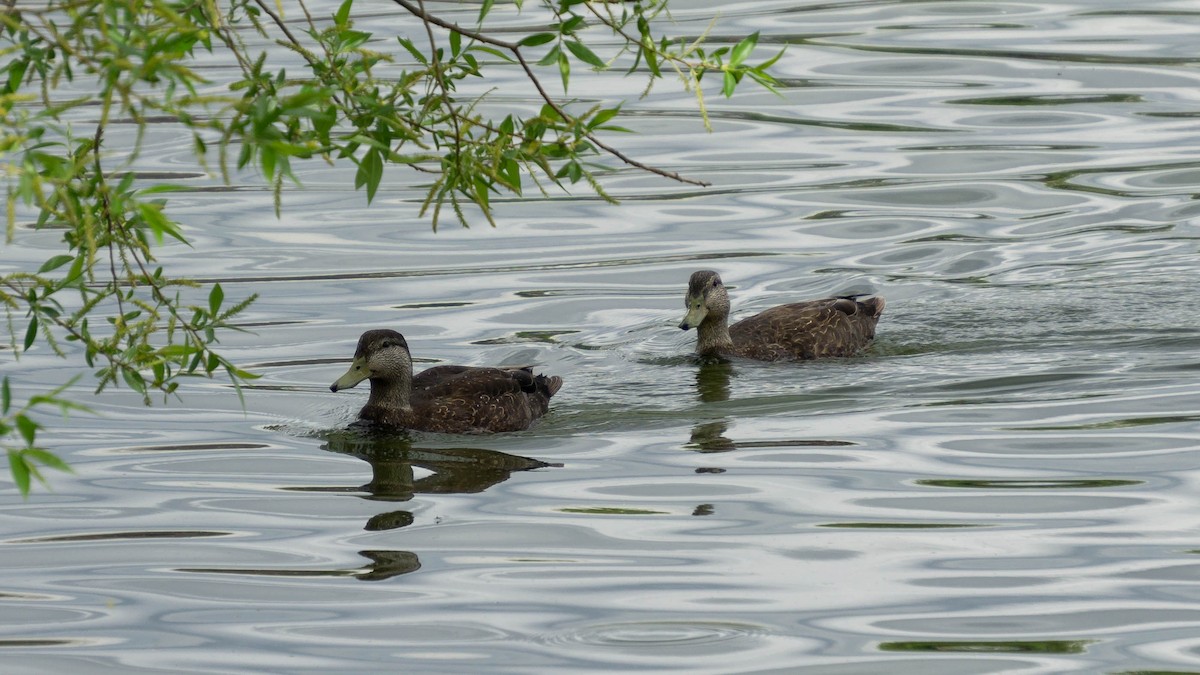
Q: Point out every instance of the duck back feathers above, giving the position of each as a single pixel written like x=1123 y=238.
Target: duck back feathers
x=454 y=399
x=808 y=330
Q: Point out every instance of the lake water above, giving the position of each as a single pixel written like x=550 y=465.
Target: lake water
x=1008 y=481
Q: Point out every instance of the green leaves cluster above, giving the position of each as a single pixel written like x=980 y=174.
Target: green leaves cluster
x=382 y=101
x=24 y=461
x=338 y=94
x=103 y=298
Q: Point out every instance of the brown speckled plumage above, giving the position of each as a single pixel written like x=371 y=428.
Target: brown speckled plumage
x=802 y=330
x=444 y=399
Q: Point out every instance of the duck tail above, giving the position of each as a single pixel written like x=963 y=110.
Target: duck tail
x=549 y=384
x=875 y=305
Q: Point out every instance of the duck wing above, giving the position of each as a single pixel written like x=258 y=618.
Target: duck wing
x=808 y=330
x=466 y=399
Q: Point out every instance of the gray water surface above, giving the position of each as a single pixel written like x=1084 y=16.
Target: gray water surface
x=1005 y=482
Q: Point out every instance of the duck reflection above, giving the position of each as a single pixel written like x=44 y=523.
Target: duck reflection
x=387 y=564
x=712 y=386
x=393 y=457
x=383 y=565
x=712 y=381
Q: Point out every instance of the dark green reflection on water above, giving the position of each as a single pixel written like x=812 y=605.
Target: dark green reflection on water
x=1051 y=99
x=1002 y=646
x=612 y=511
x=1049 y=483
x=1158 y=672
x=900 y=526
x=544 y=336
x=1115 y=424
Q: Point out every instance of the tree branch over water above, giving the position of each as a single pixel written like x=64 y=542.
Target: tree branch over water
x=333 y=93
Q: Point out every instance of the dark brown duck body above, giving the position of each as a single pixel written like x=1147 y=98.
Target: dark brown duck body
x=797 y=331
x=443 y=399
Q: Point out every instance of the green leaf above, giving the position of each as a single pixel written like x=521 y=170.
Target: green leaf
x=766 y=81
x=743 y=49
x=762 y=67
x=564 y=68
x=455 y=43
x=55 y=263
x=603 y=116
x=537 y=39
x=352 y=39
x=584 y=54
x=729 y=84
x=483 y=11
x=20 y=471
x=31 y=332
x=343 y=13
x=550 y=57
x=215 y=297
x=48 y=458
x=16 y=75
x=416 y=53
x=27 y=427
x=494 y=52
x=268 y=163
x=5 y=397
x=240 y=374
x=159 y=224
x=481 y=193
x=177 y=352
x=571 y=25
x=162 y=187
x=370 y=172
x=135 y=380
x=651 y=62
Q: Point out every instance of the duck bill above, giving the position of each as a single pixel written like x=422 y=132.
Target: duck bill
x=693 y=318
x=357 y=373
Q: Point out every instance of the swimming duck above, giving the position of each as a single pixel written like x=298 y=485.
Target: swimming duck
x=445 y=399
x=803 y=330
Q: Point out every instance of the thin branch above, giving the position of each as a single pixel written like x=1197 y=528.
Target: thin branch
x=106 y=214
x=278 y=21
x=447 y=101
x=513 y=47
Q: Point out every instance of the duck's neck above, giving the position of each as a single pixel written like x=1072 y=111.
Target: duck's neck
x=712 y=335
x=390 y=401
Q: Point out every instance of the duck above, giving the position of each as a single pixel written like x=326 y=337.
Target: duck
x=443 y=399
x=839 y=326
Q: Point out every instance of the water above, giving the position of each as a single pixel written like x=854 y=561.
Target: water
x=1005 y=482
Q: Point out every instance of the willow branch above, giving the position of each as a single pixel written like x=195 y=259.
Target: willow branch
x=515 y=48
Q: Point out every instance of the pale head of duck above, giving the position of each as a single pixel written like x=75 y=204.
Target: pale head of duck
x=706 y=300
x=382 y=356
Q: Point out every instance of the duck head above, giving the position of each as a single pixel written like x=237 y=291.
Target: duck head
x=382 y=355
x=705 y=295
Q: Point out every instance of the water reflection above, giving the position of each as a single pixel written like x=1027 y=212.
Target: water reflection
x=712 y=386
x=383 y=565
x=1022 y=446
x=393 y=457
x=455 y=470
